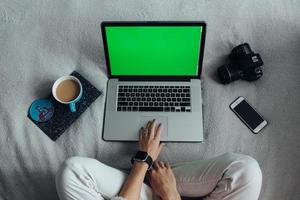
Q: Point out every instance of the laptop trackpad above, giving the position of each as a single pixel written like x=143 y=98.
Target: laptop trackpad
x=159 y=119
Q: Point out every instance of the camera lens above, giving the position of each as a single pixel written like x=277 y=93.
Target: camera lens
x=228 y=73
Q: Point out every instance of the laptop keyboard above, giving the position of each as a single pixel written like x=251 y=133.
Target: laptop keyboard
x=150 y=98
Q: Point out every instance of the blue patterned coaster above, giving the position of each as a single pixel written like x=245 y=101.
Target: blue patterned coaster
x=63 y=117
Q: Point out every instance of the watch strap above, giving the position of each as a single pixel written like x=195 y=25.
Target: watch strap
x=148 y=160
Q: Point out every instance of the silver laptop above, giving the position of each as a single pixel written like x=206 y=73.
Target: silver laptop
x=154 y=71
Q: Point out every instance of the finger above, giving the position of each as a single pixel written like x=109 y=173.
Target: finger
x=148 y=125
x=152 y=128
x=155 y=166
x=167 y=165
x=161 y=164
x=158 y=131
x=141 y=133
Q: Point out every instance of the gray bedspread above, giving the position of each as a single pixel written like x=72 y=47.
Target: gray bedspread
x=43 y=40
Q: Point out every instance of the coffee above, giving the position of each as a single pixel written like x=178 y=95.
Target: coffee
x=67 y=90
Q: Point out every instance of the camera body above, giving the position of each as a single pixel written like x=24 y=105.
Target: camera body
x=245 y=64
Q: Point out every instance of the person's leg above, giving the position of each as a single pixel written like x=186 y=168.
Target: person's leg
x=227 y=177
x=86 y=178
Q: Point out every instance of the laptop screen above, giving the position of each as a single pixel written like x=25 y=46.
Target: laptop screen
x=153 y=50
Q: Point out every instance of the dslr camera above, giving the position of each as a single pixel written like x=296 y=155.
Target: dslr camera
x=245 y=64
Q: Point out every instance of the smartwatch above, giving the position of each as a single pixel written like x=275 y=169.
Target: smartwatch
x=142 y=156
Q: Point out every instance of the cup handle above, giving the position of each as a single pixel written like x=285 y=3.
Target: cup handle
x=72 y=107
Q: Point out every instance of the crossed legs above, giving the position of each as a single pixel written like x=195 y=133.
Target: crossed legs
x=227 y=177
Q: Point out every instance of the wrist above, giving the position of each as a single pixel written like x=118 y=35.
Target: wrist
x=140 y=164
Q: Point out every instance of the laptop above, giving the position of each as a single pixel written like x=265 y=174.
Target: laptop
x=154 y=71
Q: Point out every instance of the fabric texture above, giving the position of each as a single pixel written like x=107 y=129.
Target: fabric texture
x=43 y=40
x=227 y=177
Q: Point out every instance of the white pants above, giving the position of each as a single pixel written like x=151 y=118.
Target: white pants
x=228 y=177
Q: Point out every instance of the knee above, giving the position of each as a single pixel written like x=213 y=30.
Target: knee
x=68 y=170
x=244 y=169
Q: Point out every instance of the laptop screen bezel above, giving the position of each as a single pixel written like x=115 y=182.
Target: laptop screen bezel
x=153 y=23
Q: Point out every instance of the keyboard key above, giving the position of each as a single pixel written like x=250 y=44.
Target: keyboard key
x=138 y=99
x=150 y=103
x=122 y=103
x=186 y=99
x=168 y=95
x=182 y=95
x=182 y=109
x=121 y=99
x=143 y=99
x=128 y=99
x=163 y=99
x=187 y=95
x=135 y=103
x=153 y=99
x=133 y=99
x=172 y=109
x=185 y=104
x=171 y=104
x=124 y=108
x=168 y=99
x=149 y=99
x=146 y=103
x=177 y=95
x=135 y=109
x=137 y=94
x=188 y=109
x=121 y=94
x=155 y=103
x=173 y=99
x=131 y=103
x=119 y=108
x=186 y=90
x=161 y=104
x=162 y=95
x=178 y=99
x=166 y=104
x=150 y=109
x=167 y=109
x=158 y=99
x=127 y=95
x=140 y=103
x=128 y=108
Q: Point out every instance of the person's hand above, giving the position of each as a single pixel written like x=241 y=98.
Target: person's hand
x=149 y=139
x=163 y=181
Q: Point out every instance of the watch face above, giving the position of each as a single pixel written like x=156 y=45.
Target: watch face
x=141 y=155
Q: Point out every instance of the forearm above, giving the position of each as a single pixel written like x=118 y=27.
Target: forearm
x=133 y=184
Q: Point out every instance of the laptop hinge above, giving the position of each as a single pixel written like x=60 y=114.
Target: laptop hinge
x=154 y=79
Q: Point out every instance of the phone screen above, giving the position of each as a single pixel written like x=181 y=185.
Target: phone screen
x=248 y=114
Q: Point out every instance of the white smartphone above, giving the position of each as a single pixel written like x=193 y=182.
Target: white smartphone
x=248 y=115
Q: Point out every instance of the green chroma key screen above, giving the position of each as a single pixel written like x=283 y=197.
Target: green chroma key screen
x=154 y=50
